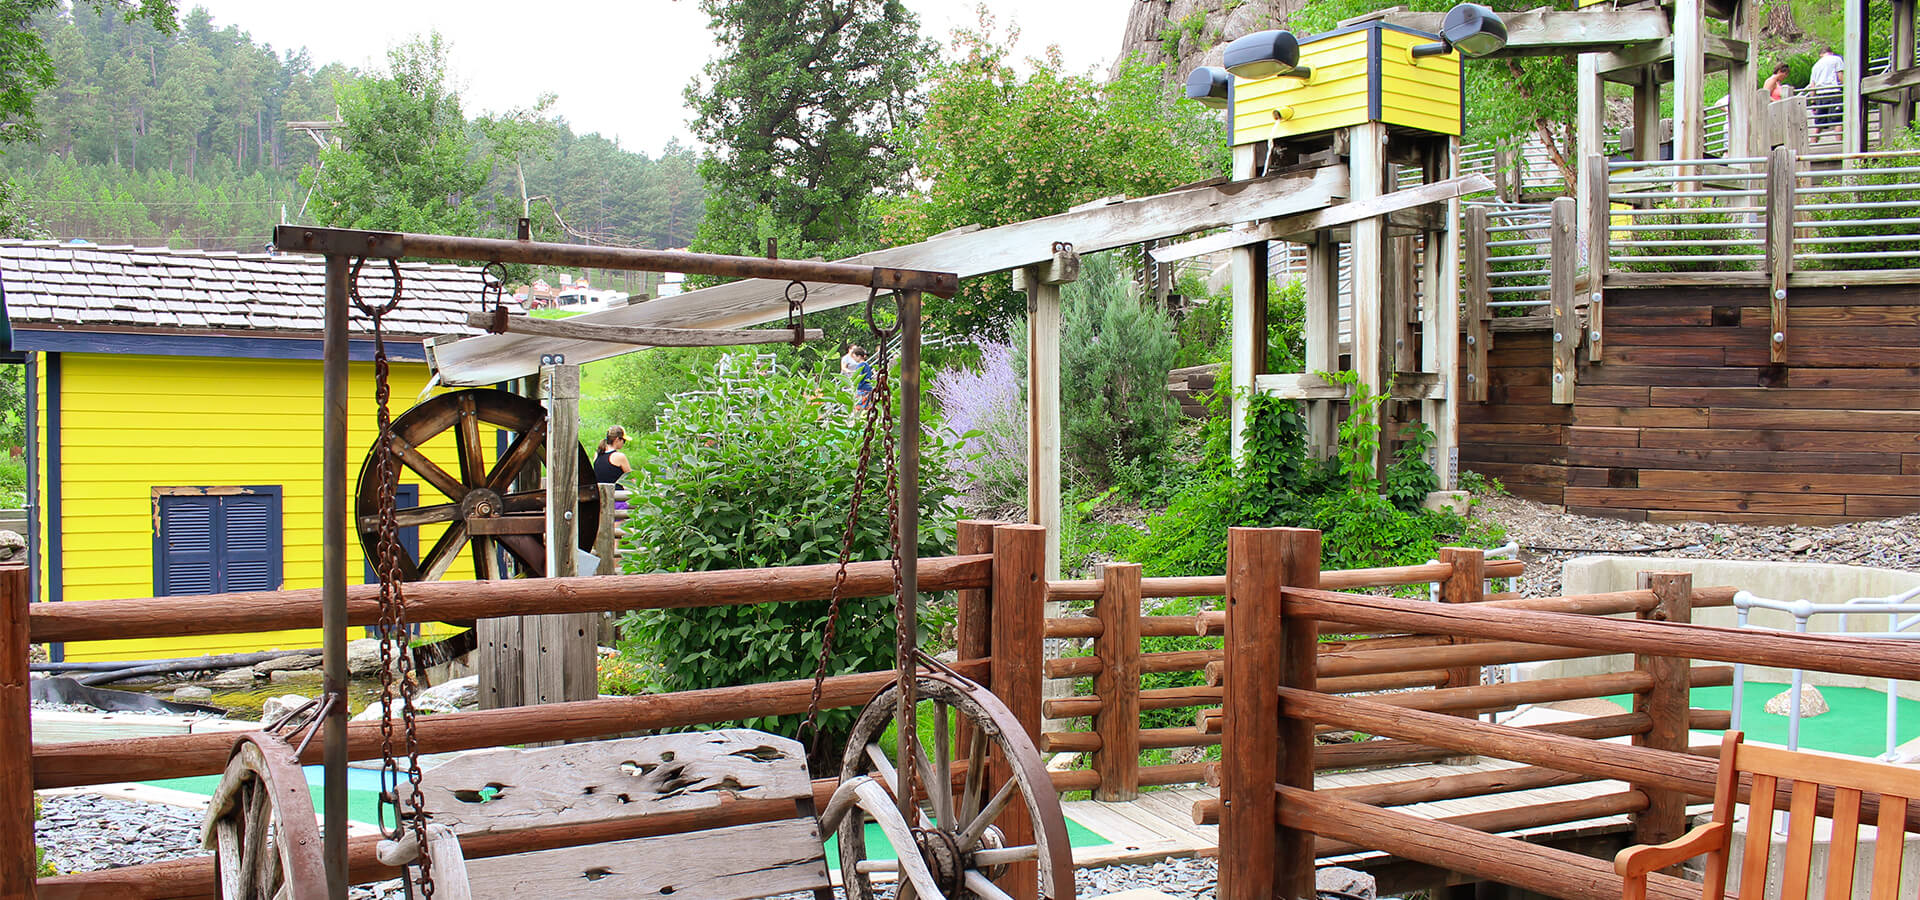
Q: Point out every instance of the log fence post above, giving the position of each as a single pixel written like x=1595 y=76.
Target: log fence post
x=1467 y=584
x=1118 y=683
x=16 y=751
x=973 y=624
x=1259 y=747
x=1667 y=702
x=1018 y=627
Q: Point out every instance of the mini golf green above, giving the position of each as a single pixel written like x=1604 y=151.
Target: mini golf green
x=1856 y=724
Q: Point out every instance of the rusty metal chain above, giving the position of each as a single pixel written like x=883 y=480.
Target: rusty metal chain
x=393 y=604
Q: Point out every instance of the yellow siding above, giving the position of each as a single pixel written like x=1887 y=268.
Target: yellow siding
x=130 y=424
x=1334 y=97
x=1418 y=93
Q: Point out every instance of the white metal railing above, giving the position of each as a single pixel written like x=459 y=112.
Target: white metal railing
x=1518 y=264
x=1903 y=623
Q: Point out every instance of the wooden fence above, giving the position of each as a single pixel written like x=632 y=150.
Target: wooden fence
x=1274 y=823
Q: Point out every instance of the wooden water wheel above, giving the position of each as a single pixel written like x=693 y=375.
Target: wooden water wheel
x=478 y=504
x=261 y=826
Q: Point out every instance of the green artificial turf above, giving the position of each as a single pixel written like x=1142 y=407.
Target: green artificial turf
x=1855 y=725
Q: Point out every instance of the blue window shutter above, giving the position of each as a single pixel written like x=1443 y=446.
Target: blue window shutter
x=186 y=546
x=216 y=543
x=250 y=542
x=406 y=496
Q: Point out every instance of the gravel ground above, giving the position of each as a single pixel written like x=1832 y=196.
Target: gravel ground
x=1549 y=537
x=86 y=832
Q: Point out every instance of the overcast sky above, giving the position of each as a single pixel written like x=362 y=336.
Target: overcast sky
x=618 y=67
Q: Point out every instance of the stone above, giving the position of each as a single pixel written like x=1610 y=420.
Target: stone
x=288 y=676
x=1344 y=883
x=1456 y=502
x=289 y=663
x=1811 y=703
x=451 y=696
x=233 y=678
x=1800 y=545
x=12 y=546
x=363 y=657
x=277 y=707
x=192 y=694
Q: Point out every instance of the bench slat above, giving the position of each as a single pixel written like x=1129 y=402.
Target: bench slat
x=735 y=863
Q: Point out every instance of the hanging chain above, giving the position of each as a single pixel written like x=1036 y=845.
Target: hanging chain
x=393 y=604
x=797 y=312
x=878 y=418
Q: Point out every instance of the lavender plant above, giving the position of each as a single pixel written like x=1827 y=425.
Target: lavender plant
x=985 y=408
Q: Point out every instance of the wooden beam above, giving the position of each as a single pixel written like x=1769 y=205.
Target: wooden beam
x=1371 y=332
x=1478 y=340
x=1407 y=386
x=1438 y=317
x=1549 y=32
x=1251 y=745
x=16 y=756
x=1042 y=286
x=1666 y=702
x=1117 y=722
x=1019 y=622
x=1889 y=85
x=1566 y=325
x=1782 y=174
x=1249 y=346
x=1341 y=214
x=1322 y=334
x=633 y=334
x=1689 y=80
x=490 y=358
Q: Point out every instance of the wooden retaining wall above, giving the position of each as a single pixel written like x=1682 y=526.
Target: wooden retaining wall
x=1684 y=418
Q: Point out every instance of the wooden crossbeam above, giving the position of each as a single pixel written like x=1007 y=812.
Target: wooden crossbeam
x=1343 y=214
x=1548 y=32
x=643 y=335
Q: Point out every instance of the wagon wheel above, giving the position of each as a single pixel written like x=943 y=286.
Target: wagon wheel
x=261 y=826
x=479 y=505
x=956 y=848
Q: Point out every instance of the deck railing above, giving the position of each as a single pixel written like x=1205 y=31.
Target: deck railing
x=1274 y=822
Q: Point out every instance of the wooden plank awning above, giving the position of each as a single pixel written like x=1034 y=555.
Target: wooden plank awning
x=492 y=358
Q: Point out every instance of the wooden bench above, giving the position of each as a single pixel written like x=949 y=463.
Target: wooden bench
x=1849 y=781
x=580 y=786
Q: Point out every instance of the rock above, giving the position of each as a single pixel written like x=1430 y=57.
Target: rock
x=458 y=694
x=363 y=657
x=1344 y=881
x=1800 y=545
x=1456 y=502
x=289 y=663
x=192 y=694
x=1811 y=703
x=12 y=546
x=277 y=707
x=233 y=678
x=287 y=676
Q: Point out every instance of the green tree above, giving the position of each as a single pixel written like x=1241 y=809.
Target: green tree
x=998 y=146
x=1116 y=349
x=800 y=110
x=405 y=161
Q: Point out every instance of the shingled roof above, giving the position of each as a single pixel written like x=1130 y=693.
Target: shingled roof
x=82 y=287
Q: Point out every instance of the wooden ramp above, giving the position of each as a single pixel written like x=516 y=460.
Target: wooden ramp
x=1159 y=824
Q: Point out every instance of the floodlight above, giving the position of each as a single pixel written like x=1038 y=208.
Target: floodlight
x=1265 y=53
x=1209 y=85
x=1470 y=28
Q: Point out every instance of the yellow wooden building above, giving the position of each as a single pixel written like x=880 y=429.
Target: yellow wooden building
x=1366 y=72
x=175 y=402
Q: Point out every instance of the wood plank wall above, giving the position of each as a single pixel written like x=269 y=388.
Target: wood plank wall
x=1685 y=419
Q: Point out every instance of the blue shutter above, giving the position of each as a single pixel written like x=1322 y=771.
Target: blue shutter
x=407 y=496
x=250 y=542
x=210 y=544
x=186 y=546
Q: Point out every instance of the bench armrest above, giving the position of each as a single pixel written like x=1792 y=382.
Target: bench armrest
x=1636 y=862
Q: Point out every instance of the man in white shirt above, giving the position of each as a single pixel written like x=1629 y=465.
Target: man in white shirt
x=1824 y=86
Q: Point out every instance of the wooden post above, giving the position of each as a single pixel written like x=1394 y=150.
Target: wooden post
x=1590 y=119
x=16 y=751
x=606 y=547
x=1478 y=343
x=1781 y=175
x=1742 y=104
x=1118 y=683
x=1897 y=116
x=1322 y=303
x=1440 y=320
x=1599 y=235
x=1689 y=83
x=1042 y=285
x=1019 y=620
x=1853 y=108
x=1255 y=855
x=1367 y=168
x=1566 y=325
x=1665 y=817
x=1646 y=115
x=1249 y=268
x=1467 y=584
x=973 y=624
x=563 y=661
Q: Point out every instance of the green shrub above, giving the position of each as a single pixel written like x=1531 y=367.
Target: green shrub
x=1682 y=255
x=1410 y=478
x=41 y=868
x=1115 y=352
x=758 y=473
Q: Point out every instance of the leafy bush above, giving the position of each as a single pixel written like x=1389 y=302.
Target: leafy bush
x=758 y=472
x=1115 y=349
x=1682 y=254
x=1411 y=477
x=986 y=408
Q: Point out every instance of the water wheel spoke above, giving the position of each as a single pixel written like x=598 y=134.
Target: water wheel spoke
x=486 y=558
x=983 y=887
x=970 y=835
x=413 y=517
x=252 y=834
x=528 y=549
x=878 y=802
x=427 y=469
x=940 y=795
x=270 y=870
x=444 y=552
x=942 y=767
x=976 y=786
x=528 y=446
x=525 y=501
x=473 y=460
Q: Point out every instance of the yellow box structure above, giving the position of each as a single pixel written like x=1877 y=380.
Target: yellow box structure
x=175 y=417
x=1358 y=74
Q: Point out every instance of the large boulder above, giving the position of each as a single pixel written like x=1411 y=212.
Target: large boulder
x=233 y=679
x=451 y=696
x=292 y=662
x=276 y=708
x=363 y=657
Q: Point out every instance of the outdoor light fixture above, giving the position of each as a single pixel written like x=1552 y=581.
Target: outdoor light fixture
x=1266 y=53
x=1209 y=85
x=1470 y=28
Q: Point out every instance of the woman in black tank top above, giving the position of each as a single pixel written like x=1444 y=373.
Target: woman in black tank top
x=609 y=463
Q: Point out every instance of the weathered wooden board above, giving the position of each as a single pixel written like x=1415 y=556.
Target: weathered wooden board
x=490 y=358
x=507 y=789
x=1603 y=437
x=722 y=864
x=1693 y=459
x=1790 y=398
x=1512 y=434
x=1770 y=439
x=1901 y=486
x=1708 y=501
x=1643 y=377
x=1628 y=417
x=1626 y=354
